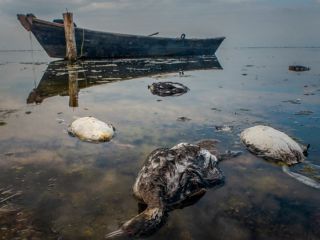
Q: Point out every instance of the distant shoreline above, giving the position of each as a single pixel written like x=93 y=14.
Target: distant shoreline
x=278 y=47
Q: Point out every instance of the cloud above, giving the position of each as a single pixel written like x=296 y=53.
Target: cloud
x=46 y=7
x=245 y=22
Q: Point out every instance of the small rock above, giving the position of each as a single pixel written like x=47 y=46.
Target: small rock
x=91 y=129
x=272 y=144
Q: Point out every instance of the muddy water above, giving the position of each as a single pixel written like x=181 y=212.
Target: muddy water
x=62 y=188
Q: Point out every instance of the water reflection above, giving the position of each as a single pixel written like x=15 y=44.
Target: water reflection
x=77 y=190
x=61 y=78
x=73 y=85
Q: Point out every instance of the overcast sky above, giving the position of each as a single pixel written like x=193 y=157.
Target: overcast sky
x=243 y=22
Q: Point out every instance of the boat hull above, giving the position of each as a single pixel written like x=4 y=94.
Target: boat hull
x=96 y=44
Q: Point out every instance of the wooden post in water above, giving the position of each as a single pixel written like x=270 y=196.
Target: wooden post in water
x=71 y=48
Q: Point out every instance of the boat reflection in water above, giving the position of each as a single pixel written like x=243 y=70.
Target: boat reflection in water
x=65 y=79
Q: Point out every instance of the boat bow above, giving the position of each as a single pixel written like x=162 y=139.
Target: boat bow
x=26 y=20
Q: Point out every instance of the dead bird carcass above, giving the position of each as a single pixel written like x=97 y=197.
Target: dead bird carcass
x=171 y=178
x=91 y=129
x=165 y=89
x=273 y=145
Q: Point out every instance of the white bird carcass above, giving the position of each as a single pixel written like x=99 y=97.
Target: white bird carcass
x=273 y=144
x=91 y=129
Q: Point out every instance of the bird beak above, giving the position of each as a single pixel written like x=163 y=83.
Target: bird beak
x=117 y=233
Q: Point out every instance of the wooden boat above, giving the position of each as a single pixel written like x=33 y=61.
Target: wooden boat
x=96 y=44
x=56 y=79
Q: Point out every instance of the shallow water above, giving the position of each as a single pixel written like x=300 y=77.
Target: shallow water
x=78 y=190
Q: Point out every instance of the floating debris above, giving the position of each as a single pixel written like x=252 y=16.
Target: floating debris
x=304 y=113
x=5 y=113
x=244 y=109
x=91 y=129
x=60 y=120
x=123 y=145
x=273 y=145
x=298 y=68
x=34 y=63
x=216 y=109
x=224 y=128
x=294 y=101
x=183 y=119
x=8 y=154
x=7 y=194
x=164 y=89
x=309 y=94
x=28 y=112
